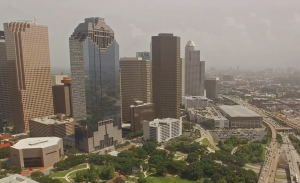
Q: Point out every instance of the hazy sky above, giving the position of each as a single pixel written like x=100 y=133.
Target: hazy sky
x=249 y=33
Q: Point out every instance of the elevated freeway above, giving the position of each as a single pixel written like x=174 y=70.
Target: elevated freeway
x=269 y=168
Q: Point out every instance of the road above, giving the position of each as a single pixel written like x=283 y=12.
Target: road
x=269 y=168
x=292 y=157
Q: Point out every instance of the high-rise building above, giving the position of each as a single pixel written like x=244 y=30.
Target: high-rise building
x=5 y=102
x=182 y=61
x=135 y=83
x=28 y=58
x=139 y=113
x=56 y=79
x=94 y=59
x=144 y=54
x=166 y=75
x=212 y=87
x=194 y=71
x=62 y=97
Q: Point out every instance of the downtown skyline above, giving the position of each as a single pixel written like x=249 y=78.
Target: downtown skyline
x=250 y=38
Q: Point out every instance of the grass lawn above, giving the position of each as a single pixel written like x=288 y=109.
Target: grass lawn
x=263 y=153
x=170 y=180
x=281 y=176
x=63 y=173
x=63 y=180
x=206 y=142
x=177 y=157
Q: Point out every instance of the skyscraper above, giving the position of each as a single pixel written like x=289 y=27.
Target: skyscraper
x=94 y=59
x=194 y=71
x=135 y=83
x=5 y=103
x=166 y=75
x=212 y=87
x=28 y=58
x=145 y=55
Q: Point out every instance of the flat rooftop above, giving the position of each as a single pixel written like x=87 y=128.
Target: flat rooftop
x=238 y=111
x=37 y=142
x=53 y=119
x=17 y=179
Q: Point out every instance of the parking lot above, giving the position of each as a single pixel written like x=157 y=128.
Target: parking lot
x=251 y=134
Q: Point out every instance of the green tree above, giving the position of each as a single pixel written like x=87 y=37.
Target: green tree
x=142 y=180
x=80 y=176
x=119 y=180
x=37 y=176
x=107 y=172
x=4 y=152
x=15 y=169
x=73 y=151
x=192 y=157
x=3 y=174
x=153 y=170
x=150 y=147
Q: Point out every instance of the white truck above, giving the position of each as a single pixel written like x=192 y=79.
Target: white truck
x=296 y=178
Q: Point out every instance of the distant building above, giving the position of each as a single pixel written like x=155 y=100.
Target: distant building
x=135 y=83
x=62 y=97
x=199 y=115
x=194 y=71
x=106 y=135
x=16 y=178
x=241 y=117
x=56 y=125
x=139 y=113
x=5 y=100
x=212 y=88
x=37 y=152
x=145 y=55
x=166 y=75
x=162 y=130
x=94 y=60
x=227 y=77
x=56 y=79
x=194 y=101
x=29 y=70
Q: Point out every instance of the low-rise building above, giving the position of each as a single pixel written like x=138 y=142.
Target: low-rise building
x=106 y=136
x=16 y=178
x=162 y=130
x=241 y=117
x=194 y=101
x=200 y=115
x=139 y=113
x=37 y=152
x=58 y=125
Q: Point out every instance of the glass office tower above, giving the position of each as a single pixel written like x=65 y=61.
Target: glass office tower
x=94 y=59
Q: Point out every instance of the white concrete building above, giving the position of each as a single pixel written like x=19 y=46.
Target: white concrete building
x=16 y=178
x=194 y=71
x=162 y=130
x=194 y=101
x=208 y=113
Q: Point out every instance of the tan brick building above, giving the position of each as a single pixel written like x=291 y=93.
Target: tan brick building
x=135 y=83
x=28 y=58
x=51 y=126
x=166 y=75
x=62 y=97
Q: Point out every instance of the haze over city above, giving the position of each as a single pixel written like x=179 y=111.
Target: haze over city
x=250 y=34
x=148 y=91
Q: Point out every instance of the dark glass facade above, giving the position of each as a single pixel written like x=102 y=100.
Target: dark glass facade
x=94 y=55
